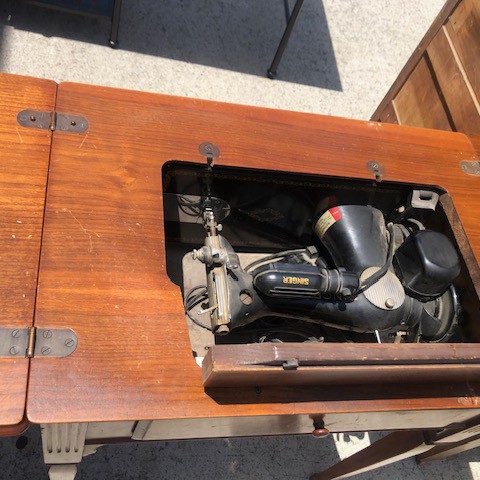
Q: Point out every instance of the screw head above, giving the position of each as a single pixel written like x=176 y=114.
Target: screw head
x=15 y=333
x=46 y=350
x=390 y=303
x=14 y=351
x=207 y=148
x=69 y=342
x=47 y=334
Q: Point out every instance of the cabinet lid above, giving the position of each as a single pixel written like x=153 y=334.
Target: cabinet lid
x=24 y=164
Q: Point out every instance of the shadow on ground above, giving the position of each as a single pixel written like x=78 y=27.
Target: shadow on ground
x=237 y=35
x=260 y=458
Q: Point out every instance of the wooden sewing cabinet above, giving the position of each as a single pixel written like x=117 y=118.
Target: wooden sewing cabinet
x=96 y=243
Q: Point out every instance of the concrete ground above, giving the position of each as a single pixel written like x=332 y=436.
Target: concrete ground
x=342 y=58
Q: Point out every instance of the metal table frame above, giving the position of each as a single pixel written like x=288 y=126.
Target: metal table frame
x=115 y=17
x=291 y=20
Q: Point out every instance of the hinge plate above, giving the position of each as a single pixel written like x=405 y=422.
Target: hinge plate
x=470 y=168
x=52 y=121
x=37 y=342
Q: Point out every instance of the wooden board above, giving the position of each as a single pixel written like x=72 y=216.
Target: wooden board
x=418 y=102
x=439 y=87
x=103 y=266
x=464 y=29
x=453 y=81
x=328 y=364
x=23 y=176
x=389 y=115
x=417 y=55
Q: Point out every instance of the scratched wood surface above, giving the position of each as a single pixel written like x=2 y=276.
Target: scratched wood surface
x=24 y=157
x=103 y=265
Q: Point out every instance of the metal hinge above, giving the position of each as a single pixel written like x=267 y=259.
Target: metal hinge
x=52 y=121
x=37 y=342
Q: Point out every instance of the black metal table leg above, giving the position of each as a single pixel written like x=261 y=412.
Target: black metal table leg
x=286 y=5
x=117 y=9
x=272 y=71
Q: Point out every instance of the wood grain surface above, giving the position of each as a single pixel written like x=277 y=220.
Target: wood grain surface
x=103 y=265
x=23 y=175
x=418 y=103
x=417 y=55
x=464 y=29
x=454 y=83
x=327 y=364
x=389 y=115
x=439 y=87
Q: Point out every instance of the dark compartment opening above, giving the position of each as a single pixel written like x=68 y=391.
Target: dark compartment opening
x=272 y=211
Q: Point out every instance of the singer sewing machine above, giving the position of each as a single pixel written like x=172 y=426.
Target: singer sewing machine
x=344 y=274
